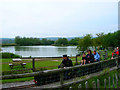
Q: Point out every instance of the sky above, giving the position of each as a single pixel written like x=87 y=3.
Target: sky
x=57 y=18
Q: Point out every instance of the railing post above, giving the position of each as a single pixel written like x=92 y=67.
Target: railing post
x=79 y=87
x=105 y=84
x=116 y=80
x=94 y=84
x=86 y=85
x=62 y=78
x=33 y=64
x=113 y=82
x=98 y=84
x=70 y=88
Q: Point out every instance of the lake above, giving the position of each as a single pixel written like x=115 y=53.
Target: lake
x=41 y=51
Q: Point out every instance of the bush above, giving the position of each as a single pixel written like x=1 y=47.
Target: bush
x=9 y=55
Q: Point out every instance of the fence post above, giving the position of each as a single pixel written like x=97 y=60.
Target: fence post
x=33 y=64
x=109 y=83
x=105 y=83
x=61 y=78
x=98 y=84
x=70 y=88
x=113 y=82
x=94 y=84
x=79 y=87
x=86 y=85
x=116 y=80
x=76 y=60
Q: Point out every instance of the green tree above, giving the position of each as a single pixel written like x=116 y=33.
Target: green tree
x=61 y=41
x=85 y=42
x=74 y=41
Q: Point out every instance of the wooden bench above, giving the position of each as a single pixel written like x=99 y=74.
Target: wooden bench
x=18 y=63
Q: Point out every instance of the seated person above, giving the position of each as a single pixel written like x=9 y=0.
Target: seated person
x=66 y=62
x=89 y=57
x=83 y=59
x=96 y=56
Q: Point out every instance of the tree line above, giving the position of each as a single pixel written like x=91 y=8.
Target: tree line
x=101 y=39
x=104 y=40
x=24 y=41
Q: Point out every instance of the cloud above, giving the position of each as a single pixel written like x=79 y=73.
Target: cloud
x=62 y=18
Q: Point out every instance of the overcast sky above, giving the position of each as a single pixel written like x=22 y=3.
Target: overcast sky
x=62 y=18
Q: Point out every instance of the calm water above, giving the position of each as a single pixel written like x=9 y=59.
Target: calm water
x=41 y=51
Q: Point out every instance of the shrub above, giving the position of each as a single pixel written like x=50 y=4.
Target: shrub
x=9 y=55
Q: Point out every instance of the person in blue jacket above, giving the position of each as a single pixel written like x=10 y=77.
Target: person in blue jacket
x=96 y=56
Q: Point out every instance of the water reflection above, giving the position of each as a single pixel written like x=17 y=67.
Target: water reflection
x=25 y=48
x=41 y=51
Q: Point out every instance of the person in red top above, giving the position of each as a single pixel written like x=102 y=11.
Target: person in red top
x=117 y=51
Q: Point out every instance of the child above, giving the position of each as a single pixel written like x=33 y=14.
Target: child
x=83 y=59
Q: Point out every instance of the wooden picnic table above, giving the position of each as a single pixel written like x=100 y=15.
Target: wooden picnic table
x=18 y=62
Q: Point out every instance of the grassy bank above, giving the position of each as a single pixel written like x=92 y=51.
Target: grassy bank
x=9 y=55
x=9 y=44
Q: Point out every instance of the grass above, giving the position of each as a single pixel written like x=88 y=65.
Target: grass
x=17 y=80
x=6 y=60
x=9 y=44
x=38 y=64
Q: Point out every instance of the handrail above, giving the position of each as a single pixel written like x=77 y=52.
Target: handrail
x=48 y=72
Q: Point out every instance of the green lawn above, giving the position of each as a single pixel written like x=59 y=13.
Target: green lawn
x=17 y=80
x=6 y=60
x=38 y=64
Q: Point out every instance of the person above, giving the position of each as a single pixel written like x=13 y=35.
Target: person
x=117 y=51
x=83 y=59
x=89 y=57
x=66 y=62
x=96 y=56
x=114 y=54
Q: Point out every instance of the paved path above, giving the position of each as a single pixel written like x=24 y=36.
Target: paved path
x=17 y=84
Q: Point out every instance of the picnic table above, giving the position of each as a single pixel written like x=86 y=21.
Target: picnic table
x=17 y=62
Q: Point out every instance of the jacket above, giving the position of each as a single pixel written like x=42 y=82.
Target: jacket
x=97 y=56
